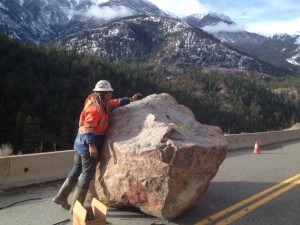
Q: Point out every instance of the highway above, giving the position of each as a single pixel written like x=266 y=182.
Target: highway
x=260 y=189
x=245 y=175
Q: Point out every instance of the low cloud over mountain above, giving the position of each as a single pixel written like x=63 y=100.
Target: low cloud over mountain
x=106 y=12
x=223 y=27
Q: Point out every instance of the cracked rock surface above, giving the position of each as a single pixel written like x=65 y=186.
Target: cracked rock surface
x=157 y=158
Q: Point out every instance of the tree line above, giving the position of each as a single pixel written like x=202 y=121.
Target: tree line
x=43 y=89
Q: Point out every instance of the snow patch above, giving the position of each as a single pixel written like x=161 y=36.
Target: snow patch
x=2 y=6
x=113 y=32
x=293 y=59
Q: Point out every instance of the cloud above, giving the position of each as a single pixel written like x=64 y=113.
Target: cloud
x=102 y=1
x=223 y=27
x=180 y=8
x=273 y=27
x=106 y=12
x=268 y=16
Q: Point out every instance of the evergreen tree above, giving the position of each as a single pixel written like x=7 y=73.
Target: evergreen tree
x=31 y=137
x=51 y=85
x=17 y=133
x=3 y=131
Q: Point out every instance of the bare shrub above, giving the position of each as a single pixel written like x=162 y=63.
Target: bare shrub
x=6 y=149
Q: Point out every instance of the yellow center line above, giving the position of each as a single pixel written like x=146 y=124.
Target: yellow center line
x=255 y=205
x=224 y=212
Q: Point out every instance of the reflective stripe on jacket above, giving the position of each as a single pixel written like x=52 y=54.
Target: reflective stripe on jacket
x=95 y=120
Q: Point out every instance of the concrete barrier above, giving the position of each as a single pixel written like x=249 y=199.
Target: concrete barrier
x=236 y=141
x=22 y=170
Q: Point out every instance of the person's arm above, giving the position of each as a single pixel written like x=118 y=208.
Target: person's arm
x=135 y=97
x=93 y=150
x=112 y=104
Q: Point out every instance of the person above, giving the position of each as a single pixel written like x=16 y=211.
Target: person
x=93 y=123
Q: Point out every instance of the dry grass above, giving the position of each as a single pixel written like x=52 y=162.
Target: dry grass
x=6 y=150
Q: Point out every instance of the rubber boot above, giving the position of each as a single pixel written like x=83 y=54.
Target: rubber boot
x=79 y=195
x=62 y=197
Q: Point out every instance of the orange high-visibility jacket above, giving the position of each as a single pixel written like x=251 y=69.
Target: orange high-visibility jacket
x=96 y=120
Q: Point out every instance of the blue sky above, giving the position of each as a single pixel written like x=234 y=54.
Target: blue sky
x=258 y=16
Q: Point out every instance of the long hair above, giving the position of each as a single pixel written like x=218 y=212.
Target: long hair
x=96 y=99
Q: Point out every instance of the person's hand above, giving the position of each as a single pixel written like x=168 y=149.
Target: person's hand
x=93 y=151
x=136 y=97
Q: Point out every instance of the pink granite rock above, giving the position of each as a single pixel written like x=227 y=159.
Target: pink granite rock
x=158 y=158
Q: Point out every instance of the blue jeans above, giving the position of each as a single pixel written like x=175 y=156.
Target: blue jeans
x=84 y=165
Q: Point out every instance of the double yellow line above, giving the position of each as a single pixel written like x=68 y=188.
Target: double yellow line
x=293 y=181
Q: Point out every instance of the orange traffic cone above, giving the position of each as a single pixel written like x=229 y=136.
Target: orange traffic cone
x=256 y=149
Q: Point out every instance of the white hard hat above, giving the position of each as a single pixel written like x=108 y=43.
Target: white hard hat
x=103 y=85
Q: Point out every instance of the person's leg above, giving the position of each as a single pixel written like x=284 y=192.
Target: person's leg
x=77 y=168
x=62 y=197
x=88 y=172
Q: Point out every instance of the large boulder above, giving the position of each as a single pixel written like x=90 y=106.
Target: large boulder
x=157 y=158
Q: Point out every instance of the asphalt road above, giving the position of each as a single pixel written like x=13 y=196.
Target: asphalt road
x=244 y=175
x=248 y=189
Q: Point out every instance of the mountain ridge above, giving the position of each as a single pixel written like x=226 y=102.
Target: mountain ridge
x=284 y=51
x=159 y=42
x=45 y=21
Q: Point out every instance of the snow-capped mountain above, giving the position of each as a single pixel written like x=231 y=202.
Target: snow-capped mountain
x=48 y=21
x=41 y=21
x=160 y=42
x=284 y=49
x=294 y=39
x=207 y=19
